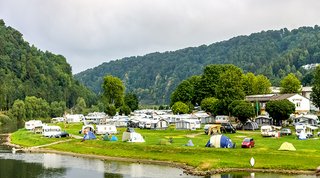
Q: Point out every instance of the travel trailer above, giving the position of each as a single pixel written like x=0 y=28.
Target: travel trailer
x=51 y=131
x=30 y=125
x=106 y=129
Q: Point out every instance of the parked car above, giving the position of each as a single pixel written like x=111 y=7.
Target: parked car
x=227 y=127
x=247 y=143
x=285 y=131
x=62 y=134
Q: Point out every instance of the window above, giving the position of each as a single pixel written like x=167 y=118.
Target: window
x=298 y=104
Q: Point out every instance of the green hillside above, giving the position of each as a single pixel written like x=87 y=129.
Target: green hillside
x=153 y=77
x=27 y=71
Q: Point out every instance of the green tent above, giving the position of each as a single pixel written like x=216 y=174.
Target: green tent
x=286 y=146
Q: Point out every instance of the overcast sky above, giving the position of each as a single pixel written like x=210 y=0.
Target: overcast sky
x=90 y=32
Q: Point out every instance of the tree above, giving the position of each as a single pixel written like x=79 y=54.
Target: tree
x=315 y=94
x=57 y=108
x=80 y=105
x=263 y=85
x=113 y=91
x=290 y=84
x=180 y=108
x=253 y=85
x=184 y=92
x=243 y=110
x=280 y=110
x=124 y=109
x=249 y=83
x=110 y=109
x=131 y=100
x=230 y=86
x=36 y=108
x=209 y=105
x=19 y=110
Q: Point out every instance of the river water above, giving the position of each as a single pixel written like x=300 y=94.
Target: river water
x=47 y=165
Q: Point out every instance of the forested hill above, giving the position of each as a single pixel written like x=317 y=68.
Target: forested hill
x=153 y=77
x=27 y=71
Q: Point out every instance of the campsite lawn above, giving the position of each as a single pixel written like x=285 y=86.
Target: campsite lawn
x=265 y=152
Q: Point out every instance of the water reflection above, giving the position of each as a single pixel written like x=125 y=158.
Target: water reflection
x=54 y=165
x=259 y=175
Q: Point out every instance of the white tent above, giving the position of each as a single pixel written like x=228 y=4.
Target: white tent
x=132 y=137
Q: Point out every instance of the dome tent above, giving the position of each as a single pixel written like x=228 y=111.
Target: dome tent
x=220 y=141
x=286 y=146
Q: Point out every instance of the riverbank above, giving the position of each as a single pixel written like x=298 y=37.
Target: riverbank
x=196 y=161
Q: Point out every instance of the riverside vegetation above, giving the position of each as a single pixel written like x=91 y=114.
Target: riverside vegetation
x=201 y=158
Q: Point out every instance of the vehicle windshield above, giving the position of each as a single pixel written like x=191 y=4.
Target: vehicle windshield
x=246 y=140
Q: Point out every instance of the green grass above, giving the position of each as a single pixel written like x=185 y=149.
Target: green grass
x=266 y=154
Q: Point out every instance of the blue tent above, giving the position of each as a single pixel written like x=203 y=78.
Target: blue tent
x=114 y=138
x=89 y=136
x=220 y=141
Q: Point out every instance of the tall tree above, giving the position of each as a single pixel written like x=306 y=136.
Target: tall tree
x=80 y=105
x=184 y=93
x=131 y=100
x=180 y=108
x=280 y=110
x=230 y=85
x=315 y=94
x=290 y=84
x=113 y=90
x=19 y=110
x=243 y=111
x=209 y=105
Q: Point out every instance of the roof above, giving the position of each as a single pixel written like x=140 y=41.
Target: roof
x=282 y=96
x=265 y=97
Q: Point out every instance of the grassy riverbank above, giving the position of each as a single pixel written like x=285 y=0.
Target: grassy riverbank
x=265 y=153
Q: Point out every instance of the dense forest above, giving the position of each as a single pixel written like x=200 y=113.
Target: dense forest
x=273 y=53
x=27 y=71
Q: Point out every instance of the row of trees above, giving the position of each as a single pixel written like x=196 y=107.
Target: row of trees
x=221 y=90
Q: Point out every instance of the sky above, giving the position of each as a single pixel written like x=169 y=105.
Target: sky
x=91 y=32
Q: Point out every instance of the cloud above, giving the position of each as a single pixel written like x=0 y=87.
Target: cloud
x=89 y=33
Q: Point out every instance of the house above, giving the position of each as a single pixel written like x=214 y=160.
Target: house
x=301 y=103
x=259 y=101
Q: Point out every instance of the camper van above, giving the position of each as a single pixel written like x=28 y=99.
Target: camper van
x=267 y=131
x=51 y=131
x=106 y=129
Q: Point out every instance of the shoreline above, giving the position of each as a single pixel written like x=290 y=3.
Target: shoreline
x=186 y=169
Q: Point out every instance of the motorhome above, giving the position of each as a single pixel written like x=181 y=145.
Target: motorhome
x=51 y=131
